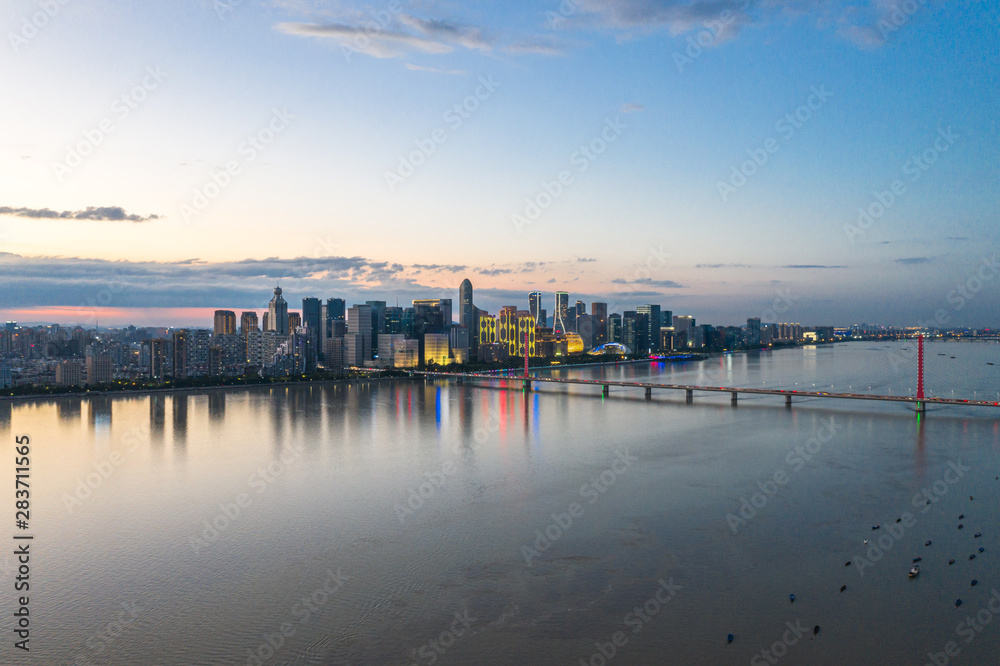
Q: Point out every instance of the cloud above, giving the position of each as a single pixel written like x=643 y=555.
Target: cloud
x=958 y=239
x=632 y=107
x=377 y=44
x=98 y=213
x=536 y=46
x=810 y=266
x=675 y=16
x=585 y=260
x=723 y=266
x=435 y=70
x=649 y=282
x=403 y=35
x=451 y=268
x=914 y=260
x=494 y=271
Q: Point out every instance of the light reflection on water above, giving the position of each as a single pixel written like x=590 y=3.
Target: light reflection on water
x=319 y=475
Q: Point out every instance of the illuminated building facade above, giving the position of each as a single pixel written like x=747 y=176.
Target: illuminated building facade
x=561 y=314
x=225 y=322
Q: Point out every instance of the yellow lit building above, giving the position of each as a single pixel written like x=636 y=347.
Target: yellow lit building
x=436 y=348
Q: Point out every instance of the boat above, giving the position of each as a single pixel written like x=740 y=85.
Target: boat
x=914 y=572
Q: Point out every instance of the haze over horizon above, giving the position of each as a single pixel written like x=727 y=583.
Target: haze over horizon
x=713 y=157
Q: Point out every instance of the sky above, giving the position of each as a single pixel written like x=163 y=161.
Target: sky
x=811 y=161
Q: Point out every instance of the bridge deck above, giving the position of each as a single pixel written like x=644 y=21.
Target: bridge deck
x=716 y=389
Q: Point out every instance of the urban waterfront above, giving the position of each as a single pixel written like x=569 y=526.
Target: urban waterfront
x=403 y=522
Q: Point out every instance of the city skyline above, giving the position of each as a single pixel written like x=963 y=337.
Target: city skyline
x=729 y=151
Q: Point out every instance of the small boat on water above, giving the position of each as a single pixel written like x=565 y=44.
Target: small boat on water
x=915 y=571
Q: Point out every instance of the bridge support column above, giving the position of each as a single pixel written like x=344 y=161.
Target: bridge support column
x=527 y=386
x=735 y=398
x=606 y=390
x=649 y=393
x=921 y=408
x=689 y=397
x=788 y=401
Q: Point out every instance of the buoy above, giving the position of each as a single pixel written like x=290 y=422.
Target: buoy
x=899 y=520
x=843 y=587
x=961 y=517
x=815 y=630
x=974 y=582
x=917 y=559
x=729 y=638
x=791 y=598
x=977 y=535
x=847 y=563
x=950 y=562
x=928 y=542
x=981 y=549
x=960 y=526
x=958 y=602
x=972 y=557
x=876 y=527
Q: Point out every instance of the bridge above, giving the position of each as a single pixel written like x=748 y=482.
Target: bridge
x=920 y=401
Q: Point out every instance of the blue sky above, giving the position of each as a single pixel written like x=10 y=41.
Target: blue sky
x=336 y=94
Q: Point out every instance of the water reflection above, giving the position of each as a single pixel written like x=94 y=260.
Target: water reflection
x=216 y=406
x=157 y=417
x=69 y=409
x=100 y=413
x=180 y=409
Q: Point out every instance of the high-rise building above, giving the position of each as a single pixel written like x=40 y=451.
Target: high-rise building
x=561 y=315
x=443 y=303
x=335 y=309
x=614 y=327
x=393 y=320
x=311 y=313
x=215 y=361
x=436 y=348
x=466 y=309
x=248 y=322
x=225 y=322
x=753 y=332
x=535 y=306
x=599 y=322
x=359 y=323
x=277 y=314
x=100 y=369
x=157 y=358
x=180 y=356
x=653 y=323
x=378 y=322
x=68 y=373
x=579 y=309
x=294 y=321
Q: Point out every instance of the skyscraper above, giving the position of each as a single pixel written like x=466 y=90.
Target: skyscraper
x=466 y=310
x=753 y=332
x=443 y=303
x=653 y=323
x=311 y=315
x=248 y=322
x=378 y=322
x=225 y=322
x=359 y=333
x=294 y=321
x=277 y=314
x=561 y=313
x=535 y=306
x=599 y=318
x=180 y=358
